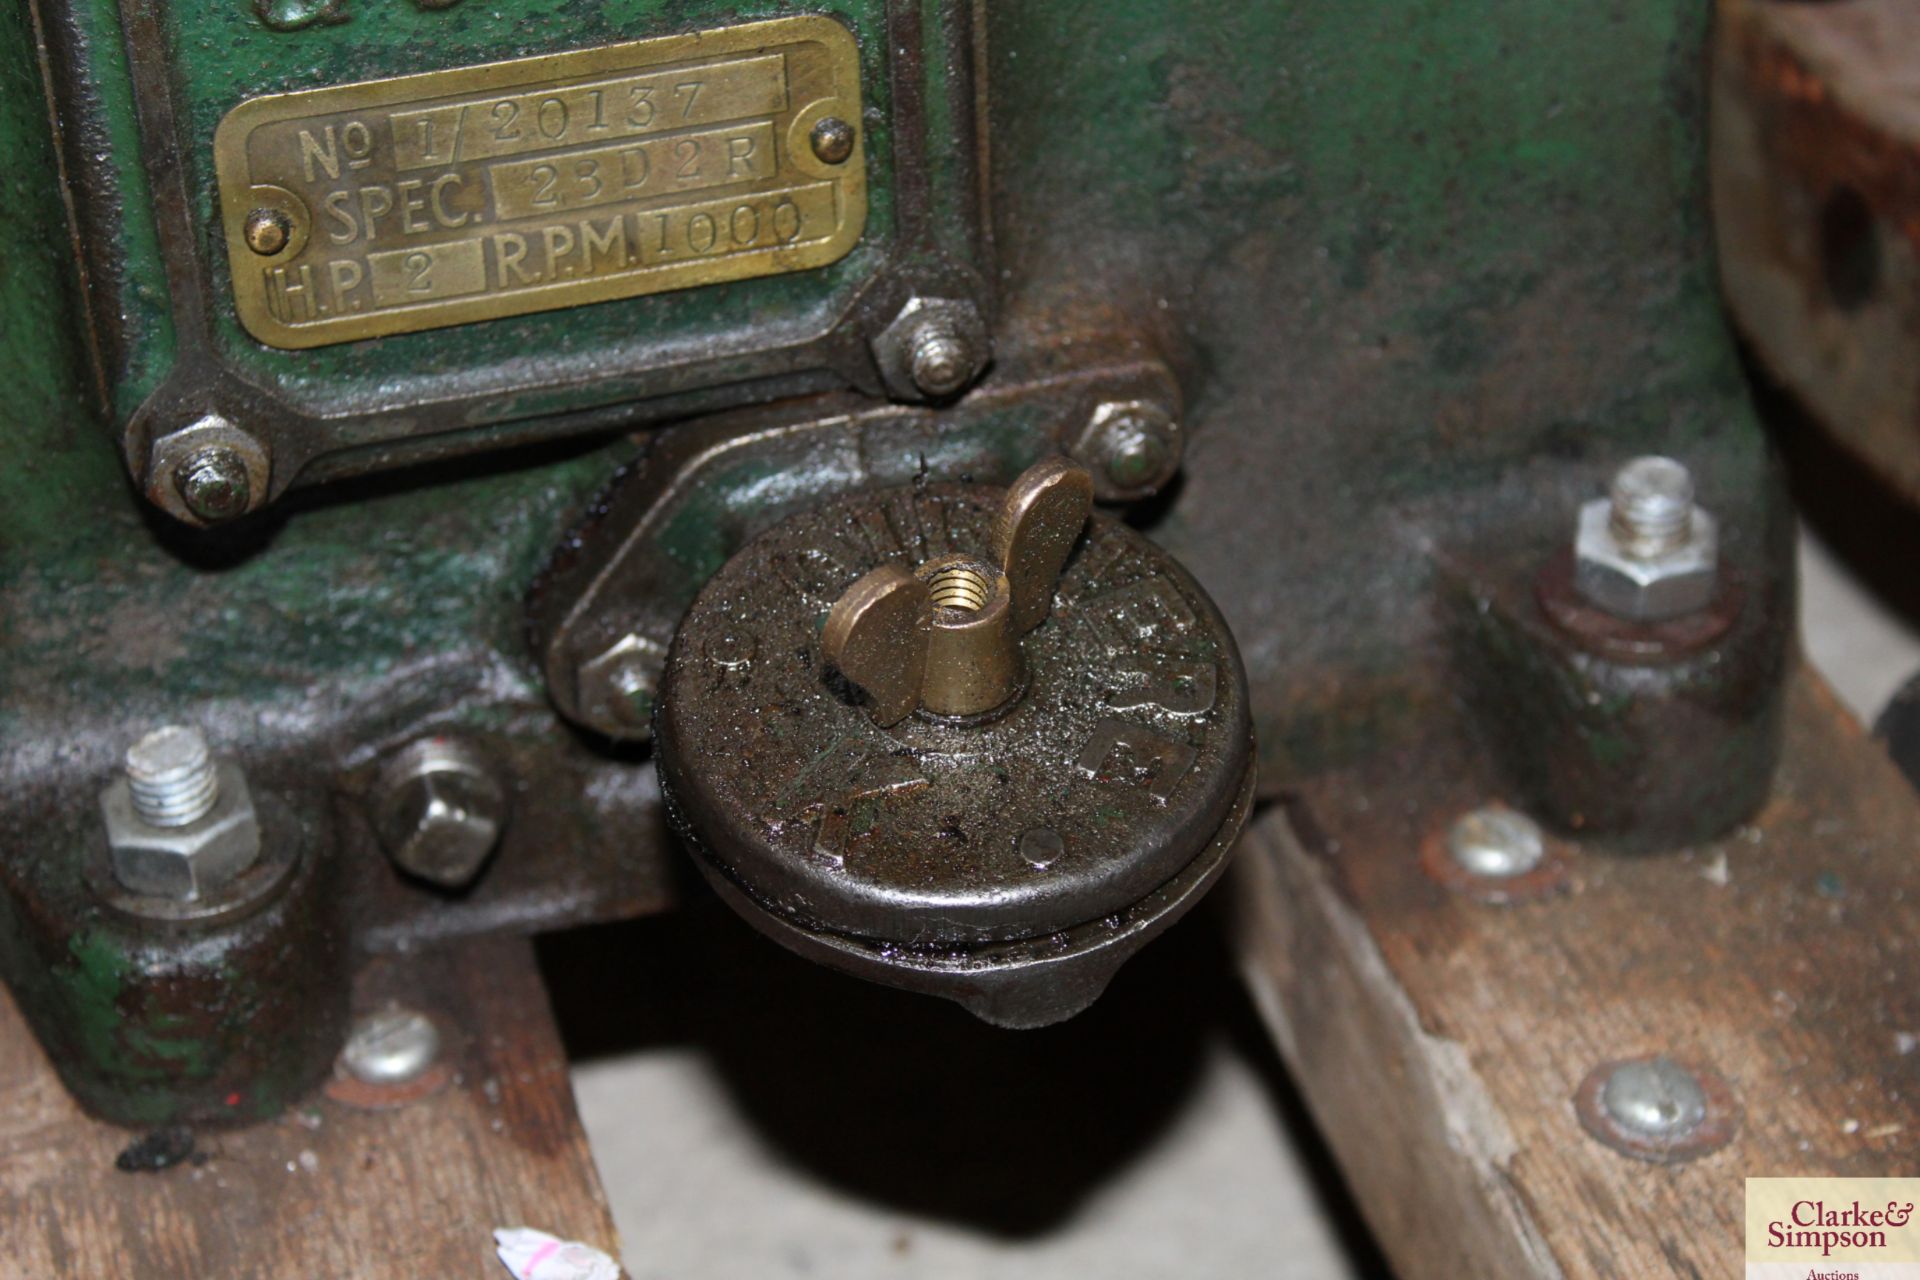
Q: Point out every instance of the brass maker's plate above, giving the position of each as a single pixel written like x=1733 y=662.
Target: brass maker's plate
x=451 y=196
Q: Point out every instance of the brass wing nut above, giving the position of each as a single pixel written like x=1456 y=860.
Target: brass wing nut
x=945 y=637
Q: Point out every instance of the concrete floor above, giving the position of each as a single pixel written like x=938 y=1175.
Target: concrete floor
x=760 y=1118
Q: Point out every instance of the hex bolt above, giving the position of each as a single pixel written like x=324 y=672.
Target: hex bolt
x=393 y=1045
x=941 y=362
x=213 y=483
x=1647 y=552
x=172 y=777
x=1652 y=510
x=832 y=140
x=1654 y=1098
x=439 y=811
x=1496 y=842
x=203 y=468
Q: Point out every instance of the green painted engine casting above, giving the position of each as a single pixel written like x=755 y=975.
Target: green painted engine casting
x=1426 y=272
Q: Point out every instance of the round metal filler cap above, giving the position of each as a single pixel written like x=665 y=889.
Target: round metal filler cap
x=938 y=774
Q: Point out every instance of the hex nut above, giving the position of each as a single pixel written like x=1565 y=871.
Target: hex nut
x=614 y=689
x=1132 y=448
x=189 y=862
x=932 y=348
x=1649 y=588
x=175 y=480
x=439 y=811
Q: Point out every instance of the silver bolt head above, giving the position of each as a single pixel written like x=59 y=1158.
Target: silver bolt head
x=1644 y=588
x=1654 y=1098
x=187 y=862
x=391 y=1046
x=439 y=811
x=932 y=348
x=1496 y=842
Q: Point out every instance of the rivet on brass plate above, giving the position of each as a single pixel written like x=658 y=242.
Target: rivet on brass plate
x=268 y=231
x=389 y=206
x=832 y=140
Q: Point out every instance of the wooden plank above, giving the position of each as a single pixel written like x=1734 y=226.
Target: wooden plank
x=330 y=1191
x=1440 y=1039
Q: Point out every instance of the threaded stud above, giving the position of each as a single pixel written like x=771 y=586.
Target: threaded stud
x=172 y=776
x=941 y=362
x=1652 y=506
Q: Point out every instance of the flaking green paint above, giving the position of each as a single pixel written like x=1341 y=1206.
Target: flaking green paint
x=131 y=1043
x=92 y=987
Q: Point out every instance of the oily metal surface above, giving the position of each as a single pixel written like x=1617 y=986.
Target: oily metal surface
x=1026 y=982
x=1114 y=769
x=444 y=197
